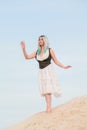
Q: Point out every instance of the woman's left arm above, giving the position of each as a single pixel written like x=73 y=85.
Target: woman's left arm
x=57 y=62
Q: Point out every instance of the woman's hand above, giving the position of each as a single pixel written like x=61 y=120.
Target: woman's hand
x=67 y=67
x=23 y=44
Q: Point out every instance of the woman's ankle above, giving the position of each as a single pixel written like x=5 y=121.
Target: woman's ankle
x=48 y=109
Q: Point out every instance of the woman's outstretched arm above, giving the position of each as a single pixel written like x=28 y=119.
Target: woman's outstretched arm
x=57 y=62
x=32 y=55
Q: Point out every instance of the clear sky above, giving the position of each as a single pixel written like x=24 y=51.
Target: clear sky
x=65 y=24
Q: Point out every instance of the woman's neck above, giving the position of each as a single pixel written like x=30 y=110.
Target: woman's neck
x=42 y=48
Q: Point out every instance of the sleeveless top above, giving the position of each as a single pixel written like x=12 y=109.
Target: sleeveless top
x=44 y=60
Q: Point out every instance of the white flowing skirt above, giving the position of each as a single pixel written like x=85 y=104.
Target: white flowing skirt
x=48 y=82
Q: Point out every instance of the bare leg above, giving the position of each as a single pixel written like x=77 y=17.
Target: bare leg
x=48 y=102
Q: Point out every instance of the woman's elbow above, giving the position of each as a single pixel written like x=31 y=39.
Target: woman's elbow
x=26 y=57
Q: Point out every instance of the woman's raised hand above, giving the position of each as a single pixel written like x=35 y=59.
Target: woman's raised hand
x=23 y=44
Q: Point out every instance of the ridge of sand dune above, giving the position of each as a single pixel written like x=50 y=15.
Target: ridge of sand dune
x=69 y=116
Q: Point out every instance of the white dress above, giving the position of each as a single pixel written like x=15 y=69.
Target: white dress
x=48 y=82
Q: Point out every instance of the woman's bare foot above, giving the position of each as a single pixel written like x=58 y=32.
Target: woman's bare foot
x=48 y=102
x=48 y=110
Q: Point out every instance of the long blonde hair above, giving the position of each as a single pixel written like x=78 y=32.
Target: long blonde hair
x=46 y=44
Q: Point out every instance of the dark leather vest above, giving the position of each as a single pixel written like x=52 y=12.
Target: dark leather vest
x=44 y=63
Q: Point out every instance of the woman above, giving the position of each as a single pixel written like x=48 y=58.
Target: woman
x=47 y=78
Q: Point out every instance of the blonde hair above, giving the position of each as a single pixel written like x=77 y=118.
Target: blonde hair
x=46 y=44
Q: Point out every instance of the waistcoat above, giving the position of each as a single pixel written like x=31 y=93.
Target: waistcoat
x=44 y=62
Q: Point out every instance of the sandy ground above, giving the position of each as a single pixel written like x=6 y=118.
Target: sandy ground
x=69 y=116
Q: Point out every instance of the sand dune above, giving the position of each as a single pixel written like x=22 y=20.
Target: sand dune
x=69 y=116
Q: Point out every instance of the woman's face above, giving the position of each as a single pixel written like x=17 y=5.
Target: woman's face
x=41 y=41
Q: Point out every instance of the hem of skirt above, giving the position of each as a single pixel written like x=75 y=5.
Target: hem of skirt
x=54 y=94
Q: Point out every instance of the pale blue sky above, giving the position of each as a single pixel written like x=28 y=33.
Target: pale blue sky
x=65 y=24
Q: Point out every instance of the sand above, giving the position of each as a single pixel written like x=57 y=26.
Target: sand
x=69 y=116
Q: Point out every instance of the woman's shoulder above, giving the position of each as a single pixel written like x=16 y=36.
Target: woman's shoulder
x=51 y=50
x=52 y=53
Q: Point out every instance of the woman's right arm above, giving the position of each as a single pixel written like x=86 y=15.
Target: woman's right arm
x=32 y=55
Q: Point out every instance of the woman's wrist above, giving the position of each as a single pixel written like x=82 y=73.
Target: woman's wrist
x=63 y=66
